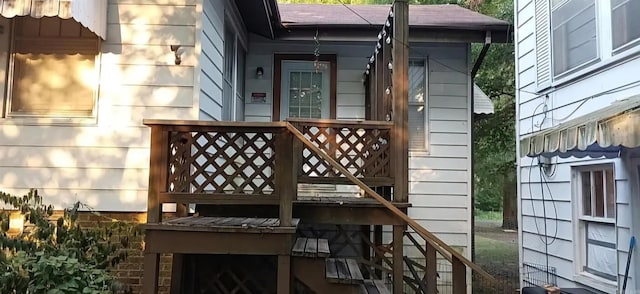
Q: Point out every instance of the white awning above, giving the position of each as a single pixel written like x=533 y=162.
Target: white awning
x=90 y=13
x=604 y=132
x=482 y=104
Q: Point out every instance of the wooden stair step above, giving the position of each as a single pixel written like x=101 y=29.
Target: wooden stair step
x=374 y=287
x=311 y=247
x=342 y=271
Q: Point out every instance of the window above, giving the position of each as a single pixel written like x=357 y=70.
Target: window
x=574 y=29
x=52 y=71
x=233 y=77
x=418 y=104
x=625 y=23
x=597 y=220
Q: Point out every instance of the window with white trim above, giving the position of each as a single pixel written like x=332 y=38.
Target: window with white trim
x=574 y=31
x=576 y=36
x=52 y=70
x=596 y=196
x=233 y=77
x=625 y=22
x=418 y=97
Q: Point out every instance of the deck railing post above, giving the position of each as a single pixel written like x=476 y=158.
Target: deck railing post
x=286 y=175
x=431 y=274
x=158 y=169
x=459 y=276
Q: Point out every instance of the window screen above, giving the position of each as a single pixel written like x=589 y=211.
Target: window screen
x=574 y=33
x=417 y=104
x=53 y=68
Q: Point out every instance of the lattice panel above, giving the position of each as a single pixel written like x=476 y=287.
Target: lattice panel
x=365 y=152
x=221 y=162
x=241 y=274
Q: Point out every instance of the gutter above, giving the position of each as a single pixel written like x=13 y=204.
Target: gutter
x=483 y=53
x=474 y=71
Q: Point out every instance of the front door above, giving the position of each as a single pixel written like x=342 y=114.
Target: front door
x=305 y=89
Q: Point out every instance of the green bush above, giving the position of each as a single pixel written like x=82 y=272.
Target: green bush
x=59 y=256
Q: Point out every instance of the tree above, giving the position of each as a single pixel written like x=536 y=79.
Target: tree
x=494 y=141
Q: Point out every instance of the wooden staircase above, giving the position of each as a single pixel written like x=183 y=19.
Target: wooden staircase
x=244 y=177
x=313 y=267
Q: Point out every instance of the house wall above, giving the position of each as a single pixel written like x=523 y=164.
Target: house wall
x=440 y=177
x=211 y=59
x=105 y=163
x=567 y=99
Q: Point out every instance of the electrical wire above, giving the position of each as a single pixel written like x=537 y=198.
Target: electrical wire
x=355 y=12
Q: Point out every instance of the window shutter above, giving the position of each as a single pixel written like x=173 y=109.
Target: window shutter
x=543 y=45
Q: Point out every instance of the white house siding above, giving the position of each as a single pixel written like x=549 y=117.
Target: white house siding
x=104 y=164
x=211 y=59
x=439 y=178
x=566 y=101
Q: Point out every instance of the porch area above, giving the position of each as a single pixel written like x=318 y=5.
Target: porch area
x=241 y=222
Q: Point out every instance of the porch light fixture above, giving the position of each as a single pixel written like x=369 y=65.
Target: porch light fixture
x=259 y=72
x=177 y=52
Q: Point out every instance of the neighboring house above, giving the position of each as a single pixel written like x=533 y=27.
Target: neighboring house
x=80 y=77
x=578 y=94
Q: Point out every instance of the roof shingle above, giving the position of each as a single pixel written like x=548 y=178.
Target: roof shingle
x=420 y=16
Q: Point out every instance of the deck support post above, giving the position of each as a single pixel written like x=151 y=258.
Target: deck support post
x=398 y=261
x=400 y=86
x=150 y=275
x=284 y=274
x=400 y=133
x=159 y=154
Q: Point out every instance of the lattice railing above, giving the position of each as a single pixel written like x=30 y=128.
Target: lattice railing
x=222 y=161
x=363 y=148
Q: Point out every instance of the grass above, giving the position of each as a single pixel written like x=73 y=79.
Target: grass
x=500 y=259
x=489 y=251
x=488 y=215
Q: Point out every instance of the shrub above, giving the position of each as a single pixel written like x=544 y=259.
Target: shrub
x=59 y=256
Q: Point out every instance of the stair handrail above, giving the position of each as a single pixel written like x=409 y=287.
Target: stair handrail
x=442 y=247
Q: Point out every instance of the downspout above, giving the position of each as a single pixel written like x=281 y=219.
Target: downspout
x=474 y=71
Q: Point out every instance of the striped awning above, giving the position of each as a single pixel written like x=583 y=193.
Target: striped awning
x=90 y=13
x=605 y=132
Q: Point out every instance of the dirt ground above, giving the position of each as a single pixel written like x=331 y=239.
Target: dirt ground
x=493 y=230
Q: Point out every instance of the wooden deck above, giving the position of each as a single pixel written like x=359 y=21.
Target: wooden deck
x=224 y=225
